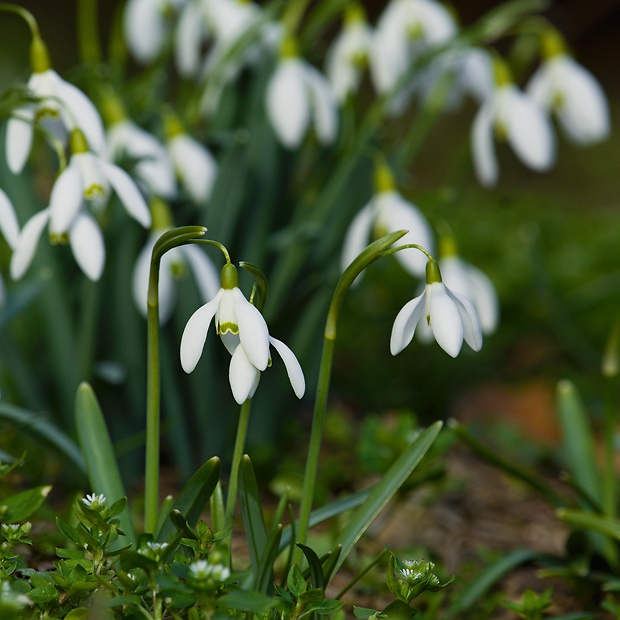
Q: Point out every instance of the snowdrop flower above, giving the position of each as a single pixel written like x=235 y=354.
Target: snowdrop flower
x=244 y=333
x=450 y=316
x=511 y=115
x=195 y=166
x=470 y=282
x=570 y=92
x=174 y=263
x=86 y=180
x=9 y=227
x=296 y=94
x=145 y=24
x=58 y=101
x=405 y=28
x=348 y=53
x=388 y=212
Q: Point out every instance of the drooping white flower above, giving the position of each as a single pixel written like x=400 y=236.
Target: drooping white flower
x=174 y=263
x=348 y=53
x=387 y=211
x=405 y=28
x=571 y=93
x=86 y=180
x=60 y=103
x=9 y=225
x=152 y=166
x=297 y=94
x=450 y=316
x=145 y=25
x=511 y=115
x=245 y=335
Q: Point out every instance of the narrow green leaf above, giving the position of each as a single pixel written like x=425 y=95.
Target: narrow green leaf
x=101 y=467
x=264 y=576
x=315 y=566
x=384 y=490
x=252 y=513
x=194 y=496
x=21 y=505
x=581 y=519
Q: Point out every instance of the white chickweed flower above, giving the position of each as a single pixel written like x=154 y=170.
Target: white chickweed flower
x=94 y=501
x=244 y=333
x=450 y=316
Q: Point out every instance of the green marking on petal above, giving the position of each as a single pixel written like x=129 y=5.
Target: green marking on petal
x=94 y=191
x=225 y=328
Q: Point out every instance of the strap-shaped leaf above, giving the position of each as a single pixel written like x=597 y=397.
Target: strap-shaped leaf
x=21 y=505
x=98 y=452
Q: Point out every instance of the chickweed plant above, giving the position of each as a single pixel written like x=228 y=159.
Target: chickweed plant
x=212 y=130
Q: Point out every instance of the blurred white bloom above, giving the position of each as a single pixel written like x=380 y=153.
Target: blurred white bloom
x=463 y=278
x=201 y=570
x=511 y=115
x=87 y=179
x=174 y=263
x=388 y=212
x=296 y=94
x=61 y=106
x=151 y=163
x=405 y=28
x=8 y=220
x=450 y=316
x=565 y=88
x=195 y=166
x=244 y=333
x=348 y=53
x=146 y=25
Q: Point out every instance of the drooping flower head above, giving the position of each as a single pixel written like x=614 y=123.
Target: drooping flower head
x=570 y=92
x=387 y=211
x=450 y=316
x=245 y=335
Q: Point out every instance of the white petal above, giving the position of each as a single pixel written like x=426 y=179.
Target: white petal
x=188 y=40
x=158 y=177
x=293 y=368
x=195 y=333
x=405 y=323
x=140 y=278
x=19 y=139
x=471 y=325
x=128 y=193
x=357 y=236
x=485 y=162
x=253 y=331
x=388 y=57
x=194 y=165
x=243 y=376
x=167 y=286
x=529 y=130
x=395 y=213
x=66 y=199
x=87 y=245
x=206 y=275
x=27 y=243
x=287 y=102
x=446 y=321
x=324 y=105
x=144 y=29
x=8 y=220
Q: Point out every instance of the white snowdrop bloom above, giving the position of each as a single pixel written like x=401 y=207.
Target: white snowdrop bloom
x=152 y=165
x=571 y=93
x=297 y=94
x=9 y=225
x=61 y=106
x=511 y=115
x=87 y=179
x=146 y=25
x=174 y=264
x=450 y=316
x=245 y=335
x=386 y=212
x=348 y=53
x=463 y=278
x=191 y=33
x=405 y=28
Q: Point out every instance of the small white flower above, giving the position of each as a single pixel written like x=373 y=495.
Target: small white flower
x=348 y=53
x=450 y=316
x=565 y=88
x=202 y=570
x=513 y=116
x=194 y=165
x=60 y=101
x=296 y=94
x=173 y=263
x=153 y=167
x=470 y=282
x=8 y=220
x=94 y=501
x=12 y=601
x=388 y=212
x=245 y=335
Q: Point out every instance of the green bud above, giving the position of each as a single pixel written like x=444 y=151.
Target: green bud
x=384 y=179
x=39 y=56
x=160 y=213
x=78 y=141
x=501 y=72
x=289 y=48
x=229 y=277
x=433 y=274
x=552 y=44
